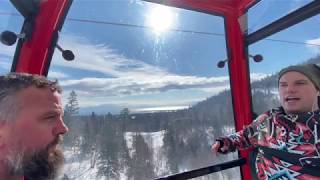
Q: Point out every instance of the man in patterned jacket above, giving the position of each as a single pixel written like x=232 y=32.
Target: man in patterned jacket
x=288 y=137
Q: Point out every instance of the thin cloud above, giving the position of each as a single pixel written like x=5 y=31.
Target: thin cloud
x=57 y=74
x=127 y=92
x=103 y=59
x=314 y=45
x=142 y=85
x=124 y=76
x=258 y=76
x=162 y=108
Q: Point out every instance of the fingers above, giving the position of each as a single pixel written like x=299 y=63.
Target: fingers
x=215 y=147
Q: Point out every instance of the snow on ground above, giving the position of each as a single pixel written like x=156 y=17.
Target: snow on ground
x=155 y=142
x=129 y=141
x=78 y=169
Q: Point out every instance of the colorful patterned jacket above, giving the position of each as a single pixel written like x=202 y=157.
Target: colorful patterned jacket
x=288 y=145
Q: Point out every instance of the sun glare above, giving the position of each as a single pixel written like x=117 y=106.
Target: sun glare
x=160 y=19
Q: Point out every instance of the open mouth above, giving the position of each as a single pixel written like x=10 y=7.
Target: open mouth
x=292 y=99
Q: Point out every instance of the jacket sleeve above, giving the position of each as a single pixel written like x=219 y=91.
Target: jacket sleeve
x=248 y=137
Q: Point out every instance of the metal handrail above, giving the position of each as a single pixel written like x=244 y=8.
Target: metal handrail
x=205 y=170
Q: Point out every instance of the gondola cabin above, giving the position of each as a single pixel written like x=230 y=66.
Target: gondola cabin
x=148 y=85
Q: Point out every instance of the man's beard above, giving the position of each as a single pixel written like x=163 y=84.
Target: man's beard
x=40 y=165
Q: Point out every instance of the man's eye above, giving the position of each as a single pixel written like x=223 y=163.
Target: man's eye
x=51 y=118
x=301 y=83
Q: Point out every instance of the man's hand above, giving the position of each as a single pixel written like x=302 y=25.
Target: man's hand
x=215 y=147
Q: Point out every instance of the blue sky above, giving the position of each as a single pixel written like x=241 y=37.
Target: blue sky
x=119 y=66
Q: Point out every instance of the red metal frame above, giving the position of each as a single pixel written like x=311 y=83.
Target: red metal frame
x=34 y=54
x=240 y=81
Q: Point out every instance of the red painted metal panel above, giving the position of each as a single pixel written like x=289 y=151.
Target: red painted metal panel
x=34 y=52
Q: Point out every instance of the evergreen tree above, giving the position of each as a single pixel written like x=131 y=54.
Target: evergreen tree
x=141 y=164
x=169 y=145
x=113 y=150
x=90 y=133
x=109 y=165
x=71 y=112
x=124 y=117
x=72 y=106
x=125 y=114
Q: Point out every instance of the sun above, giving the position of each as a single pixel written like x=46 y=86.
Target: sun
x=160 y=19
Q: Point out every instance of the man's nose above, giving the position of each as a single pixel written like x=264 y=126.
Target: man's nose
x=291 y=89
x=61 y=128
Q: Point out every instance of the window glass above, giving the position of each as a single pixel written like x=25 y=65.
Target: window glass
x=144 y=97
x=10 y=20
x=267 y=11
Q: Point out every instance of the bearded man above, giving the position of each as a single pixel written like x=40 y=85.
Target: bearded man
x=31 y=127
